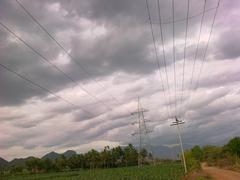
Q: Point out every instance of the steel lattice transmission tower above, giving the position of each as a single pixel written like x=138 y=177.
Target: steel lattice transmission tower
x=142 y=132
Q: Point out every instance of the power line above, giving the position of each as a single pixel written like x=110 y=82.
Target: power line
x=190 y=17
x=62 y=47
x=184 y=53
x=44 y=89
x=49 y=34
x=163 y=50
x=174 y=60
x=155 y=49
x=50 y=63
x=197 y=47
x=35 y=51
x=209 y=38
x=205 y=52
x=175 y=88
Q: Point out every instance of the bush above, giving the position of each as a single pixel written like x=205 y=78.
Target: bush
x=192 y=163
x=211 y=154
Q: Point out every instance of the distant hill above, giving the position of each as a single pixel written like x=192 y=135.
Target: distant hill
x=22 y=161
x=69 y=153
x=52 y=155
x=3 y=163
x=162 y=151
x=165 y=152
x=19 y=161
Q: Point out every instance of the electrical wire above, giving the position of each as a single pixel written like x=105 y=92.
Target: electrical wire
x=205 y=52
x=197 y=47
x=174 y=60
x=155 y=50
x=163 y=51
x=50 y=63
x=64 y=49
x=190 y=17
x=184 y=53
x=196 y=53
x=44 y=89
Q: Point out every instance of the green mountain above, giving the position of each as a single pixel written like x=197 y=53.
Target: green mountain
x=69 y=153
x=3 y=163
x=52 y=156
x=19 y=161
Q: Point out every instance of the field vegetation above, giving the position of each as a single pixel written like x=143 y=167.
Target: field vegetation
x=121 y=163
x=227 y=156
x=111 y=163
x=108 y=158
x=164 y=171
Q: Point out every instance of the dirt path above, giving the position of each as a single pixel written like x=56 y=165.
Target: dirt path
x=221 y=174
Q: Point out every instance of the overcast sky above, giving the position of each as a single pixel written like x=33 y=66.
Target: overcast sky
x=112 y=63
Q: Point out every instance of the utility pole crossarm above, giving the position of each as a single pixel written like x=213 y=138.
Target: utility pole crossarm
x=145 y=132
x=140 y=111
x=177 y=123
x=145 y=120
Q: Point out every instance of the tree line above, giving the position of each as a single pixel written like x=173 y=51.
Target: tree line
x=227 y=156
x=107 y=158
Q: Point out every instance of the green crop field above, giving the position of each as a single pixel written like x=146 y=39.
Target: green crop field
x=157 y=172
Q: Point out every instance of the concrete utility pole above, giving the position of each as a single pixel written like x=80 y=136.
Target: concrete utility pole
x=177 y=123
x=142 y=129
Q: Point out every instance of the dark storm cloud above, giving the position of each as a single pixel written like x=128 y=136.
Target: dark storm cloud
x=15 y=90
x=12 y=13
x=11 y=118
x=96 y=130
x=216 y=80
x=28 y=63
x=228 y=49
x=112 y=41
x=125 y=47
x=225 y=44
x=219 y=128
x=116 y=52
x=19 y=137
x=107 y=11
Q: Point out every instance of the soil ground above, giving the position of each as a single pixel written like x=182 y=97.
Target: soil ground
x=220 y=174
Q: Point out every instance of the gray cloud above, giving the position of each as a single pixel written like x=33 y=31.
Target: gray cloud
x=227 y=49
x=112 y=41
